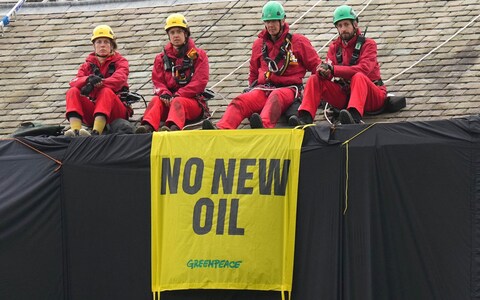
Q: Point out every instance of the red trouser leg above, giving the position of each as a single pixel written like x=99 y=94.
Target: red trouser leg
x=156 y=111
x=277 y=103
x=183 y=109
x=77 y=103
x=241 y=107
x=110 y=105
x=319 y=88
x=365 y=95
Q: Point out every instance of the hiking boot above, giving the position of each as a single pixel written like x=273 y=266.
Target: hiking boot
x=84 y=132
x=71 y=133
x=256 y=121
x=302 y=118
x=349 y=116
x=208 y=125
x=174 y=128
x=164 y=128
x=146 y=128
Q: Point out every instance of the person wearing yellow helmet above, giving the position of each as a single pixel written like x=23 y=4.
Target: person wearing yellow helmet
x=352 y=63
x=180 y=75
x=93 y=98
x=278 y=63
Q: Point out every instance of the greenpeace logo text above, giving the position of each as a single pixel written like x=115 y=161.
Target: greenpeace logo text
x=213 y=264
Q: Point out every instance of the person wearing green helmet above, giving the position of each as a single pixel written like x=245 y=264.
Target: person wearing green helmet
x=352 y=63
x=278 y=63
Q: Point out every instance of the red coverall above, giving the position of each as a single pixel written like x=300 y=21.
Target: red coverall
x=364 y=94
x=188 y=103
x=271 y=104
x=105 y=99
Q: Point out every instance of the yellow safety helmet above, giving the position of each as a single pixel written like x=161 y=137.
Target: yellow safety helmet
x=177 y=20
x=104 y=31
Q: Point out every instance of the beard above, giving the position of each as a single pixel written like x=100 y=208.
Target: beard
x=347 y=36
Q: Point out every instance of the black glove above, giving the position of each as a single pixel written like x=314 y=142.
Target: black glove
x=86 y=89
x=94 y=79
x=166 y=97
x=327 y=66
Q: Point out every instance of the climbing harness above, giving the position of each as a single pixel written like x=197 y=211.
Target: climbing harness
x=182 y=73
x=284 y=53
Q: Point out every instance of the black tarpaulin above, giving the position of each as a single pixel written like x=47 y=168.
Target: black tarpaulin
x=391 y=214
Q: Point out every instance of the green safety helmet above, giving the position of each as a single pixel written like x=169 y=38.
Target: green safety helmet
x=344 y=12
x=273 y=11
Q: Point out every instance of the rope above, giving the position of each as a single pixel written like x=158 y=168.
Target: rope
x=38 y=151
x=347 y=161
x=435 y=49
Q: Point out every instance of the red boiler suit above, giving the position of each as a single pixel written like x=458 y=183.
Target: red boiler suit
x=365 y=95
x=187 y=102
x=272 y=102
x=105 y=99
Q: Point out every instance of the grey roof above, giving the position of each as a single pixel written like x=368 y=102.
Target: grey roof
x=428 y=50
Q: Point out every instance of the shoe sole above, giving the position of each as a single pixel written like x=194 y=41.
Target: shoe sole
x=345 y=118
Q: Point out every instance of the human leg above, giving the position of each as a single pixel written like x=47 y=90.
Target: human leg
x=241 y=107
x=277 y=103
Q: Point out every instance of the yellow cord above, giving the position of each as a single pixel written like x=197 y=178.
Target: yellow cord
x=346 y=144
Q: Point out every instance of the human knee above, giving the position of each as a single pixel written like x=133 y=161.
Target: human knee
x=106 y=93
x=359 y=76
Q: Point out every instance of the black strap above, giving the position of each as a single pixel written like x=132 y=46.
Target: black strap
x=96 y=70
x=179 y=72
x=356 y=51
x=282 y=54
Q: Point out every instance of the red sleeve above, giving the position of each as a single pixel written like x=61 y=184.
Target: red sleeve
x=255 y=62
x=119 y=78
x=82 y=74
x=367 y=62
x=158 y=76
x=308 y=55
x=199 y=80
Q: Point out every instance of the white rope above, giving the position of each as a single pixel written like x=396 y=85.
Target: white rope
x=433 y=50
x=236 y=69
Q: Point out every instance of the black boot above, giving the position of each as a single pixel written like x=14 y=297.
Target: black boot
x=350 y=116
x=256 y=121
x=145 y=128
x=208 y=125
x=303 y=118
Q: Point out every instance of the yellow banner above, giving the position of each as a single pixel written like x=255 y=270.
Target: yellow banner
x=224 y=209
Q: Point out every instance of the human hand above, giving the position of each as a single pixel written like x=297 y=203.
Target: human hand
x=325 y=69
x=166 y=98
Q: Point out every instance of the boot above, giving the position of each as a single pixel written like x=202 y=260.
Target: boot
x=256 y=121
x=146 y=128
x=208 y=125
x=84 y=132
x=71 y=133
x=350 y=116
x=303 y=118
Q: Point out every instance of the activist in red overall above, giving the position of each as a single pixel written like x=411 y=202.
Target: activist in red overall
x=349 y=79
x=93 y=98
x=278 y=63
x=180 y=75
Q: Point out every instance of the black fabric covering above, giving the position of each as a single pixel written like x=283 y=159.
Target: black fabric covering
x=398 y=219
x=31 y=246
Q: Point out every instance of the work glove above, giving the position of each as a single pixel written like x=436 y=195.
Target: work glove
x=166 y=97
x=327 y=67
x=94 y=79
x=86 y=89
